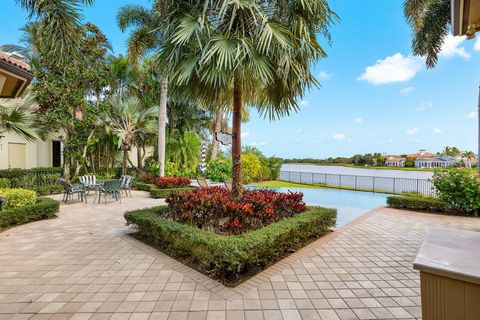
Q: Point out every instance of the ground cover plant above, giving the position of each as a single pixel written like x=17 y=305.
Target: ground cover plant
x=214 y=209
x=233 y=258
x=17 y=197
x=172 y=182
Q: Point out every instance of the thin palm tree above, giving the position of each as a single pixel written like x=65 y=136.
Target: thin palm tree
x=468 y=156
x=17 y=116
x=128 y=121
x=147 y=36
x=259 y=50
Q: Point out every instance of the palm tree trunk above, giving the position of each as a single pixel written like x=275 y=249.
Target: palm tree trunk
x=125 y=159
x=237 y=187
x=162 y=119
x=216 y=127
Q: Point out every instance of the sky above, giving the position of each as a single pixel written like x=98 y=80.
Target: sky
x=374 y=96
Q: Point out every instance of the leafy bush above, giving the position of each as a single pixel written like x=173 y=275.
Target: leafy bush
x=142 y=186
x=148 y=178
x=228 y=258
x=164 y=193
x=275 y=165
x=251 y=167
x=39 y=179
x=42 y=208
x=459 y=188
x=417 y=203
x=18 y=197
x=172 y=182
x=213 y=209
x=219 y=170
x=4 y=183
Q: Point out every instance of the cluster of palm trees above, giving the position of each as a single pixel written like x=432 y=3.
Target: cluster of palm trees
x=210 y=58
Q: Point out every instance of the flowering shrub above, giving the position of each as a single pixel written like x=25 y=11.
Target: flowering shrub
x=149 y=178
x=214 y=209
x=459 y=189
x=172 y=182
x=18 y=197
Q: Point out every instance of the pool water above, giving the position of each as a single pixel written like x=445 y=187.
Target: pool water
x=349 y=204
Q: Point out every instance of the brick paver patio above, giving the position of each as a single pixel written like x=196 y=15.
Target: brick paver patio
x=84 y=265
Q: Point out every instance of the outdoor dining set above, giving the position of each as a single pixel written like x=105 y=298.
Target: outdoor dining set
x=90 y=183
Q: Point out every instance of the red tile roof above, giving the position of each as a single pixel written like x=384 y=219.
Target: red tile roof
x=14 y=61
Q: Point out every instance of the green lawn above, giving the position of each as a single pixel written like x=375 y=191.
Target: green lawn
x=284 y=184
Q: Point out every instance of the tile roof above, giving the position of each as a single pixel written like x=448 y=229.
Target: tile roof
x=16 y=62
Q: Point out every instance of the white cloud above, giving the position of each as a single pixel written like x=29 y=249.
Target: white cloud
x=340 y=136
x=299 y=130
x=406 y=91
x=476 y=47
x=324 y=75
x=451 y=47
x=472 y=115
x=304 y=103
x=396 y=68
x=245 y=134
x=358 y=120
x=438 y=130
x=413 y=131
x=424 y=106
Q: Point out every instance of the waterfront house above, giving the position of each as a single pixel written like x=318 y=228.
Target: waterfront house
x=395 y=161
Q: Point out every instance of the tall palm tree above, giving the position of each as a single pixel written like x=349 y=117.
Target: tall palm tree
x=147 y=36
x=260 y=50
x=128 y=122
x=60 y=21
x=18 y=117
x=468 y=156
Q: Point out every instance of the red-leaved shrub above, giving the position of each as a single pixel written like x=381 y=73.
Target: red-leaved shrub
x=148 y=178
x=213 y=208
x=172 y=182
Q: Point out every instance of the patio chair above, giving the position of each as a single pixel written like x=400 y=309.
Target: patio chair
x=127 y=184
x=112 y=188
x=228 y=184
x=202 y=183
x=69 y=190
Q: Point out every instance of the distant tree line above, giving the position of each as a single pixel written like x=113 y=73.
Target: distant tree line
x=369 y=159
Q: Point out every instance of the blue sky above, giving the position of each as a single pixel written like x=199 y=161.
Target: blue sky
x=375 y=96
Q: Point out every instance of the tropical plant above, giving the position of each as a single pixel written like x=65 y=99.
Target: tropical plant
x=147 y=36
x=60 y=22
x=261 y=51
x=18 y=117
x=430 y=22
x=183 y=149
x=128 y=121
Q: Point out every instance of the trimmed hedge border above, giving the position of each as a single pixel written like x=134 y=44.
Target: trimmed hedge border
x=419 y=203
x=44 y=208
x=231 y=258
x=157 y=193
x=163 y=193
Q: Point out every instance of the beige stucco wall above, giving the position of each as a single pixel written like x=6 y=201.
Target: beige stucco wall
x=38 y=153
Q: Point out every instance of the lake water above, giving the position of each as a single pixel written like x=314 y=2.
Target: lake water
x=357 y=171
x=349 y=204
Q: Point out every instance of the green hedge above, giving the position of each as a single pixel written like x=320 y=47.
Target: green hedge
x=229 y=258
x=142 y=186
x=418 y=203
x=163 y=193
x=44 y=208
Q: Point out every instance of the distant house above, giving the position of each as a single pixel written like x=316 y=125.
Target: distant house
x=422 y=153
x=395 y=161
x=443 y=161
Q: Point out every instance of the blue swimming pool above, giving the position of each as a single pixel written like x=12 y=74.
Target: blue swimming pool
x=349 y=204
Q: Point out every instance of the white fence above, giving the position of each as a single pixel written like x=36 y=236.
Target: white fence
x=375 y=184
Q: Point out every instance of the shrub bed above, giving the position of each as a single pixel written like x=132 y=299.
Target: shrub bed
x=43 y=208
x=214 y=209
x=142 y=186
x=418 y=203
x=17 y=197
x=165 y=193
x=230 y=258
x=172 y=182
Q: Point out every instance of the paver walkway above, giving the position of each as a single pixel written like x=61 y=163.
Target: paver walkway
x=84 y=265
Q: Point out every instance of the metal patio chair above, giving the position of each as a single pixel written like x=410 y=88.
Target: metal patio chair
x=202 y=183
x=126 y=184
x=69 y=190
